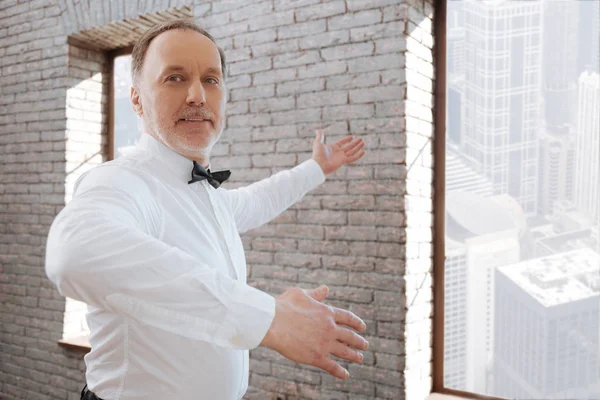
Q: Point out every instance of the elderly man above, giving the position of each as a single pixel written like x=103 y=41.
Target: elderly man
x=152 y=244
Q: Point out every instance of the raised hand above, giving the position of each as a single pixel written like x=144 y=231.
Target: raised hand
x=307 y=331
x=332 y=156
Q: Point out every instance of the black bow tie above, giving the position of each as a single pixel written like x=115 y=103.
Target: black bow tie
x=214 y=178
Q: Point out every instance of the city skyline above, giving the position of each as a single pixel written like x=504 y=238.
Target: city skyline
x=523 y=147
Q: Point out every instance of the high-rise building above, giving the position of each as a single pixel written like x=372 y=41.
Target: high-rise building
x=455 y=310
x=454 y=109
x=560 y=64
x=595 y=64
x=547 y=242
x=587 y=148
x=455 y=68
x=589 y=21
x=482 y=234
x=547 y=319
x=503 y=47
x=455 y=39
x=557 y=168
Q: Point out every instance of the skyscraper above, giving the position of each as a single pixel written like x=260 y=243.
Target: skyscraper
x=588 y=31
x=455 y=309
x=547 y=320
x=456 y=40
x=587 y=150
x=481 y=235
x=557 y=168
x=502 y=95
x=595 y=64
x=559 y=64
x=455 y=68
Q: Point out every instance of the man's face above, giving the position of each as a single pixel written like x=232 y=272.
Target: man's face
x=180 y=92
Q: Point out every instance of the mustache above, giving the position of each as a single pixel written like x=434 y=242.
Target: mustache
x=197 y=112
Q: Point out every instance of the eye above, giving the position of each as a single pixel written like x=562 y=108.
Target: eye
x=213 y=80
x=175 y=78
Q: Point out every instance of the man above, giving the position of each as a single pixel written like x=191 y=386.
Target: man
x=151 y=243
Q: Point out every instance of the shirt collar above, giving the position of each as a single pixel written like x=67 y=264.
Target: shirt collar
x=180 y=165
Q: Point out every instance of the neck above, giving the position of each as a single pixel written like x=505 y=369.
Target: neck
x=202 y=159
x=203 y=162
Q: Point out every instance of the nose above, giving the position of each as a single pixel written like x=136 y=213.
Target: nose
x=196 y=95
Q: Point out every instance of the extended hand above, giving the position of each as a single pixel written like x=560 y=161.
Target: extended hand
x=307 y=331
x=332 y=156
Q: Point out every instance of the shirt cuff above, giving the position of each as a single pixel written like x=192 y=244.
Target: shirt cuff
x=250 y=313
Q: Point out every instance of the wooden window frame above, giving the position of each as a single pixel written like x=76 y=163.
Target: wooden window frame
x=439 y=207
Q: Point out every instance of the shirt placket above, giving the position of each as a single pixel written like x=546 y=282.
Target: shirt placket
x=221 y=224
x=217 y=214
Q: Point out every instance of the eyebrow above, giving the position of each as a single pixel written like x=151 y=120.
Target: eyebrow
x=178 y=68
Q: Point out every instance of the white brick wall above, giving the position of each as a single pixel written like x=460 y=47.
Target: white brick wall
x=418 y=109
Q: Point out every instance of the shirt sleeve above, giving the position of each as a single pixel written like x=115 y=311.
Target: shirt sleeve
x=256 y=204
x=101 y=250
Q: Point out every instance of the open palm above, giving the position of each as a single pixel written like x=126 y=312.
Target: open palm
x=332 y=156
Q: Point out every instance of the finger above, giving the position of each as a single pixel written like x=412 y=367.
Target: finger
x=340 y=350
x=320 y=136
x=355 y=148
x=319 y=293
x=355 y=157
x=352 y=339
x=349 y=150
x=352 y=144
x=343 y=141
x=333 y=368
x=344 y=317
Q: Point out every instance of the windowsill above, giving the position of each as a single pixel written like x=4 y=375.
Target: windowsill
x=79 y=343
x=441 y=396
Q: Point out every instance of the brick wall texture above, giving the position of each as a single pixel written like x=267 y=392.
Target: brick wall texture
x=360 y=67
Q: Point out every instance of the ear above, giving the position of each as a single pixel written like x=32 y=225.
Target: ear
x=136 y=100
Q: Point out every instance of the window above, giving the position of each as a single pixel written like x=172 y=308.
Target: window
x=127 y=126
x=523 y=324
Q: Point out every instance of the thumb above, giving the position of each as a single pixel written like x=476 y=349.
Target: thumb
x=319 y=293
x=319 y=136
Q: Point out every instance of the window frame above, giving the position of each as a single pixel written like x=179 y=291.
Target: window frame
x=439 y=201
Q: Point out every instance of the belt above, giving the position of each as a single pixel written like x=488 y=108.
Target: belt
x=87 y=394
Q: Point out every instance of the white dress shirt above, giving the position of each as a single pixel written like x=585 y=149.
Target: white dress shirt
x=161 y=265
